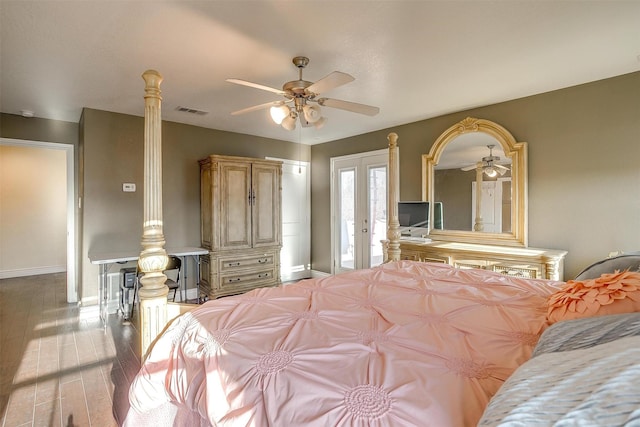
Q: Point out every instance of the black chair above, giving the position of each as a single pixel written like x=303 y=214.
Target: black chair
x=174 y=265
x=128 y=283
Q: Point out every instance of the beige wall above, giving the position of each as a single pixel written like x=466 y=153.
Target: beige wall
x=33 y=210
x=112 y=146
x=584 y=173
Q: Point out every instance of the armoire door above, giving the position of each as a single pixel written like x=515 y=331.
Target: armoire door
x=235 y=205
x=265 y=203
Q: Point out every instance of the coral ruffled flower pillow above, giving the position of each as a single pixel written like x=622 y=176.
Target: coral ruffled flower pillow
x=611 y=293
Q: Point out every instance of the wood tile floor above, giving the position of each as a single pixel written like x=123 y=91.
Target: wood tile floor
x=56 y=367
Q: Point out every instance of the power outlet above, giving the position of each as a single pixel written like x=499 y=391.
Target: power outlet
x=128 y=187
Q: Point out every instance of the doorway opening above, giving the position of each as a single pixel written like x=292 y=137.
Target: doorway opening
x=71 y=250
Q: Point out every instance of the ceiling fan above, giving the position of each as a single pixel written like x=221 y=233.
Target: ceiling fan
x=489 y=165
x=303 y=97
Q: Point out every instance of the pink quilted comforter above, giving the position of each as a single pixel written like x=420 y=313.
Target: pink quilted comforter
x=404 y=344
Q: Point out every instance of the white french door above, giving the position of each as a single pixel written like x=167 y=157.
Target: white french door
x=358 y=210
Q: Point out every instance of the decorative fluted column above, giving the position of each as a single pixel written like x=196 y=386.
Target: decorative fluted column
x=393 y=228
x=153 y=258
x=479 y=225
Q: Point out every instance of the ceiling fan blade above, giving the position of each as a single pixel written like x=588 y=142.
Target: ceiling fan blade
x=469 y=168
x=329 y=82
x=257 y=107
x=354 y=107
x=256 y=86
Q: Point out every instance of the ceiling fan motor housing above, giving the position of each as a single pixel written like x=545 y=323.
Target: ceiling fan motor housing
x=296 y=87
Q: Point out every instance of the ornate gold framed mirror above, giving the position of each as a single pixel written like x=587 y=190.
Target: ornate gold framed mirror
x=475 y=178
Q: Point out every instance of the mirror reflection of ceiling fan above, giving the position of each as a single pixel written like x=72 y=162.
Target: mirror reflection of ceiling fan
x=301 y=99
x=490 y=167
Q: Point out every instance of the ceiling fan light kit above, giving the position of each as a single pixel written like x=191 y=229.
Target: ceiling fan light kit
x=489 y=165
x=302 y=94
x=279 y=112
x=289 y=122
x=490 y=172
x=312 y=113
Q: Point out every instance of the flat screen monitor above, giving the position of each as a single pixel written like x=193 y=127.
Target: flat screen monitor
x=413 y=214
x=416 y=214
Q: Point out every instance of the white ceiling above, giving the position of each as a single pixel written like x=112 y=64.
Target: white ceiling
x=413 y=59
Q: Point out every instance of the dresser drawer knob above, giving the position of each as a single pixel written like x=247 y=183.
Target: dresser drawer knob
x=233 y=264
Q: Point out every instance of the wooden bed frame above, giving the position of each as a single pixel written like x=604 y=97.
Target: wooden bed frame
x=155 y=311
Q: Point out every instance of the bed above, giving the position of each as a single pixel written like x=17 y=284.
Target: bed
x=403 y=344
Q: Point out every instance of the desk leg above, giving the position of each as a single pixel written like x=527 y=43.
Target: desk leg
x=103 y=294
x=197 y=260
x=183 y=285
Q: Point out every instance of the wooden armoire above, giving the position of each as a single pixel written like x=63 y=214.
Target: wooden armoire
x=240 y=199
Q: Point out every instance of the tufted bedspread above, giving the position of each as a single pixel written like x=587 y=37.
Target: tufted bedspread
x=403 y=344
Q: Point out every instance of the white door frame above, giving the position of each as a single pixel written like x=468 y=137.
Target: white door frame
x=72 y=284
x=334 y=160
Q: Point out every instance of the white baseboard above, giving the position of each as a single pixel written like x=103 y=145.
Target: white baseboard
x=32 y=271
x=316 y=273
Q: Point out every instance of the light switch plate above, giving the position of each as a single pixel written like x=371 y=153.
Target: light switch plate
x=128 y=187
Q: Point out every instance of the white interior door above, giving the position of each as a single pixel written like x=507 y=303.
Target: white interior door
x=295 y=257
x=358 y=210
x=491 y=205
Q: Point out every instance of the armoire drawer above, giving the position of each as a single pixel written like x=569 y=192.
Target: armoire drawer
x=252 y=277
x=234 y=263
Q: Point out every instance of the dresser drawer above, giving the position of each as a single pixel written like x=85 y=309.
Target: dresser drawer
x=529 y=272
x=234 y=263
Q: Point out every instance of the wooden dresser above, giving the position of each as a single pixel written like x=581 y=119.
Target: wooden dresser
x=514 y=261
x=240 y=201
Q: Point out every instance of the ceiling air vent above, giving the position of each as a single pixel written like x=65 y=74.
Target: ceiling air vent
x=192 y=111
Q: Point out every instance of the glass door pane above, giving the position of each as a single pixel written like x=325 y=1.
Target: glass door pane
x=346 y=213
x=377 y=213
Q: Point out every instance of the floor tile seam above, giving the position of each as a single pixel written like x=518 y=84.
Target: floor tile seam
x=90 y=338
x=86 y=404
x=58 y=396
x=106 y=382
x=8 y=407
x=115 y=351
x=59 y=404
